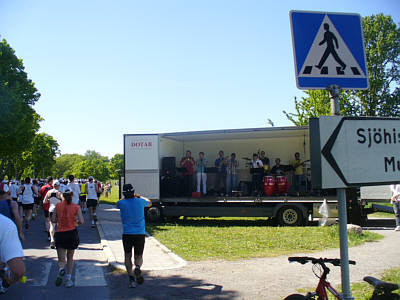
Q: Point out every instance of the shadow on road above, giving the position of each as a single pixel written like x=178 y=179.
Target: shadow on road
x=169 y=287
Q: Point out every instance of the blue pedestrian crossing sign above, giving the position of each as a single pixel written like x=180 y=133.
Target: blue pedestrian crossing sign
x=328 y=49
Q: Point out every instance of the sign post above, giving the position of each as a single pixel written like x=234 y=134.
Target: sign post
x=329 y=54
x=334 y=91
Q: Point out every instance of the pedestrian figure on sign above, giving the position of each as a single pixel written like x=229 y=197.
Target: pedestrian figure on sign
x=329 y=38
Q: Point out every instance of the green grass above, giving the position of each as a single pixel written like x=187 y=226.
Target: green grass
x=232 y=238
x=113 y=198
x=363 y=290
x=380 y=214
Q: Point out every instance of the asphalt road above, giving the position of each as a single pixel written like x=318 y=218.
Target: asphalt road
x=91 y=275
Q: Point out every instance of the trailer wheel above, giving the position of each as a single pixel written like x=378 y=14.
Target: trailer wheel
x=154 y=214
x=290 y=216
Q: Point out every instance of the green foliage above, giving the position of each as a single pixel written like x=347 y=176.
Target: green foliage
x=18 y=120
x=116 y=164
x=92 y=163
x=382 y=45
x=64 y=165
x=92 y=154
x=92 y=167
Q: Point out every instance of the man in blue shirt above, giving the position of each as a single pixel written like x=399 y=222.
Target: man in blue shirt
x=131 y=207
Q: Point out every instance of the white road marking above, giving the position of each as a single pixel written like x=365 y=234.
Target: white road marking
x=89 y=274
x=42 y=276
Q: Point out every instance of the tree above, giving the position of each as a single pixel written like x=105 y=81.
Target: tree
x=37 y=160
x=95 y=167
x=116 y=164
x=382 y=46
x=92 y=154
x=18 y=120
x=65 y=165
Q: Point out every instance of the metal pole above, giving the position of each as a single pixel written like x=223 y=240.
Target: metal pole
x=334 y=91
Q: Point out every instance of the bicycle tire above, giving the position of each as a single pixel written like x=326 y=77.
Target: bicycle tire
x=296 y=297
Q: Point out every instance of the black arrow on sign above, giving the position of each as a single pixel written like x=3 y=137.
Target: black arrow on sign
x=326 y=151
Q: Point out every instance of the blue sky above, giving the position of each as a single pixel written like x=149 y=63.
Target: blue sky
x=105 y=68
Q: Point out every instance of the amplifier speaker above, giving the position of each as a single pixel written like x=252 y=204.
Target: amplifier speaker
x=168 y=164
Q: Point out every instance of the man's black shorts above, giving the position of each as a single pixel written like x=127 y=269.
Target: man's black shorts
x=37 y=200
x=82 y=198
x=135 y=241
x=91 y=203
x=27 y=206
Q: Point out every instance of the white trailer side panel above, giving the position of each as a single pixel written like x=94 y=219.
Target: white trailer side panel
x=142 y=164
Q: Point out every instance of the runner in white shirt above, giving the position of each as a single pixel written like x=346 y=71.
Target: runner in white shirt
x=11 y=254
x=62 y=185
x=28 y=191
x=36 y=198
x=91 y=190
x=13 y=190
x=74 y=187
x=396 y=203
x=53 y=197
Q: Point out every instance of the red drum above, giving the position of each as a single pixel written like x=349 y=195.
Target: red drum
x=269 y=185
x=282 y=184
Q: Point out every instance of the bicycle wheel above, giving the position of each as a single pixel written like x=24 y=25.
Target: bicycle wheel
x=295 y=297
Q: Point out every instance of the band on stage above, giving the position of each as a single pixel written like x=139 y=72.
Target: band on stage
x=266 y=180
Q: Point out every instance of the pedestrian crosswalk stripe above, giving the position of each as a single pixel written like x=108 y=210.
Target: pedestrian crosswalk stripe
x=89 y=274
x=84 y=274
x=42 y=276
x=325 y=70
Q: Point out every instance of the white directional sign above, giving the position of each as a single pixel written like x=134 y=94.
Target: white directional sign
x=349 y=151
x=328 y=49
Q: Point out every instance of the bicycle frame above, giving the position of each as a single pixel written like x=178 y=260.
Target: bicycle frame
x=324 y=285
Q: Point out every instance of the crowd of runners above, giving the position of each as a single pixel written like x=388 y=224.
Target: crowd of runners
x=63 y=203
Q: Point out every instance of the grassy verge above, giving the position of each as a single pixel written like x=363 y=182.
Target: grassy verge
x=230 y=238
x=363 y=290
x=113 y=198
x=380 y=214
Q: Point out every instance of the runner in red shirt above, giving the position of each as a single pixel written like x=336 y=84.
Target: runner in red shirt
x=46 y=206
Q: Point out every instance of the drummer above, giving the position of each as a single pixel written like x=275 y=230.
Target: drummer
x=278 y=169
x=265 y=161
x=257 y=171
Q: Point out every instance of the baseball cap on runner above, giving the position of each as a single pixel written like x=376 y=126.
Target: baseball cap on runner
x=67 y=191
x=56 y=182
x=128 y=190
x=91 y=178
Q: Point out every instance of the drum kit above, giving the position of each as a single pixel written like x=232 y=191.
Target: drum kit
x=276 y=185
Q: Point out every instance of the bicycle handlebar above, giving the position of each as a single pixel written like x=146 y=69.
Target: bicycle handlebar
x=305 y=259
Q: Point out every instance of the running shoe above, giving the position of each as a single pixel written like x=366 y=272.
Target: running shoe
x=95 y=218
x=60 y=275
x=52 y=245
x=397 y=228
x=132 y=283
x=138 y=275
x=33 y=216
x=92 y=224
x=69 y=283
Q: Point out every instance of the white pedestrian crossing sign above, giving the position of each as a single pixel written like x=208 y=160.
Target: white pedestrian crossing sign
x=328 y=49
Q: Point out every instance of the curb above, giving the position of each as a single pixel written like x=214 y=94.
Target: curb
x=181 y=262
x=112 y=261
